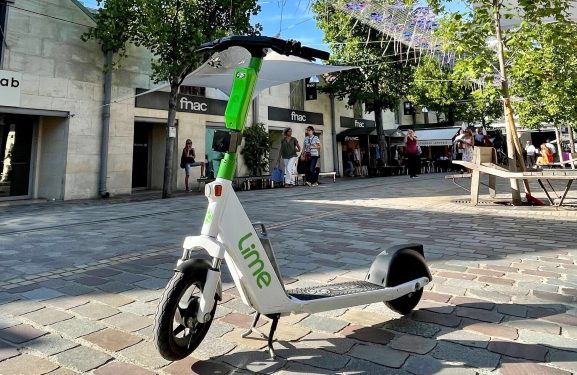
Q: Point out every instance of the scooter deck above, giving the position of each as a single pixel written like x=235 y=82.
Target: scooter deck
x=333 y=290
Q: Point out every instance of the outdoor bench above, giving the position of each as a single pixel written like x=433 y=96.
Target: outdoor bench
x=484 y=163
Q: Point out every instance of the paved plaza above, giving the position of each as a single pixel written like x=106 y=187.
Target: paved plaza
x=80 y=281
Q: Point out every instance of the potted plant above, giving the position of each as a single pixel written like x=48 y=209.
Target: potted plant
x=255 y=151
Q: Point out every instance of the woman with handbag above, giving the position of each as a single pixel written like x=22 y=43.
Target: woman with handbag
x=312 y=147
x=412 y=153
x=289 y=147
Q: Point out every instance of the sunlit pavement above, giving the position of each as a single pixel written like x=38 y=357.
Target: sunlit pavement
x=79 y=284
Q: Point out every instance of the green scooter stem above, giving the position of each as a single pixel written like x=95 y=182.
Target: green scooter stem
x=237 y=109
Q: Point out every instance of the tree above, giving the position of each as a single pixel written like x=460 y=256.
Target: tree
x=432 y=88
x=173 y=30
x=547 y=94
x=437 y=87
x=112 y=39
x=481 y=44
x=380 y=81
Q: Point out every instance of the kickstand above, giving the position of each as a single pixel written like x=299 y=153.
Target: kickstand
x=275 y=319
x=253 y=327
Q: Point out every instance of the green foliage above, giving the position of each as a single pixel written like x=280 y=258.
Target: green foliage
x=256 y=149
x=538 y=75
x=171 y=29
x=111 y=32
x=432 y=87
x=482 y=105
x=381 y=81
x=547 y=93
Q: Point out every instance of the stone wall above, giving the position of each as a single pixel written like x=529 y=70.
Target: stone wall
x=60 y=72
x=63 y=73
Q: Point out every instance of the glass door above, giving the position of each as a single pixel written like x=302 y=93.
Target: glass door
x=16 y=134
x=141 y=151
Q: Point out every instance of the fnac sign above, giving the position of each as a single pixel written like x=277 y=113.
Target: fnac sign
x=10 y=84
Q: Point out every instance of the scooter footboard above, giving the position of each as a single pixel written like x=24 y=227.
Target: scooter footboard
x=406 y=260
x=337 y=296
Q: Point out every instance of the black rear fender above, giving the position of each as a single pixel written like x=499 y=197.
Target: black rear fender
x=406 y=259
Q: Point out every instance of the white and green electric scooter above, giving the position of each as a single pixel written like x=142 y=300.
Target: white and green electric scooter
x=187 y=307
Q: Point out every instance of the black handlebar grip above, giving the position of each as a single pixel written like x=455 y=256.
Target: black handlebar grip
x=316 y=53
x=256 y=44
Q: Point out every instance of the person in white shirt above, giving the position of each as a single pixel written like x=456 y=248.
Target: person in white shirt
x=531 y=151
x=479 y=136
x=312 y=147
x=551 y=147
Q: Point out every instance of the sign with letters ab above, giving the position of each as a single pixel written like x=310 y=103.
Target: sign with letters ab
x=10 y=84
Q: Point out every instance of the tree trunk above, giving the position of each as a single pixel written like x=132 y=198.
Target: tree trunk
x=381 y=133
x=571 y=139
x=558 y=135
x=168 y=164
x=514 y=152
x=451 y=115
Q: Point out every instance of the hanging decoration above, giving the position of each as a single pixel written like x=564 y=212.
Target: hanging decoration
x=414 y=27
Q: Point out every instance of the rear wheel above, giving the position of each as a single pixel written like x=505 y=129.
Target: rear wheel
x=405 y=268
x=177 y=333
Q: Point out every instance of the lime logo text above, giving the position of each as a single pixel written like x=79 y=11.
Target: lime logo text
x=248 y=250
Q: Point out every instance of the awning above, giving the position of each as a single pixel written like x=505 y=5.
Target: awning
x=353 y=134
x=394 y=133
x=436 y=137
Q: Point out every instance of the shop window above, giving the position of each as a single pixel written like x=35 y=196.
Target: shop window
x=16 y=134
x=297 y=95
x=211 y=158
x=192 y=90
x=358 y=110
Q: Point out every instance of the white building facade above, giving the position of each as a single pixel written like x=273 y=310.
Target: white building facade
x=51 y=122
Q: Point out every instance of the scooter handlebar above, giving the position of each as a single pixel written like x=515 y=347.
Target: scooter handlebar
x=257 y=44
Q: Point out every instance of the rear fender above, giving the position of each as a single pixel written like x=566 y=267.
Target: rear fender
x=411 y=255
x=198 y=268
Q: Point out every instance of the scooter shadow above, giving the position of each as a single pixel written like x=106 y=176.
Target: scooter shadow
x=462 y=338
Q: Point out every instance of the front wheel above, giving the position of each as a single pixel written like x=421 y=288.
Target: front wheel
x=177 y=333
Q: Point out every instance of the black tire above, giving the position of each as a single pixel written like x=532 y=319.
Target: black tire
x=166 y=337
x=403 y=269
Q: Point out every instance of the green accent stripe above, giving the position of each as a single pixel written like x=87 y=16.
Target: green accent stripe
x=227 y=167
x=243 y=84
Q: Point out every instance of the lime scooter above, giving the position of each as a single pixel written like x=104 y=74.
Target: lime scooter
x=188 y=304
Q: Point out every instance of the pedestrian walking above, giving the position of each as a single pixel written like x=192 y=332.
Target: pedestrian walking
x=187 y=161
x=468 y=144
x=531 y=151
x=289 y=147
x=412 y=153
x=312 y=147
x=350 y=160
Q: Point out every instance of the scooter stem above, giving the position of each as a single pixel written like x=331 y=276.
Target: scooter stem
x=241 y=94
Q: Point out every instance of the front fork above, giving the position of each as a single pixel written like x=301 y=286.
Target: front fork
x=211 y=284
x=208 y=298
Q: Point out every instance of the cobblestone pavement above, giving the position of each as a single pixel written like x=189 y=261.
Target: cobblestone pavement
x=79 y=284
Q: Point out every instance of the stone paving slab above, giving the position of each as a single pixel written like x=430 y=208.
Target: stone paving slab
x=503 y=298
